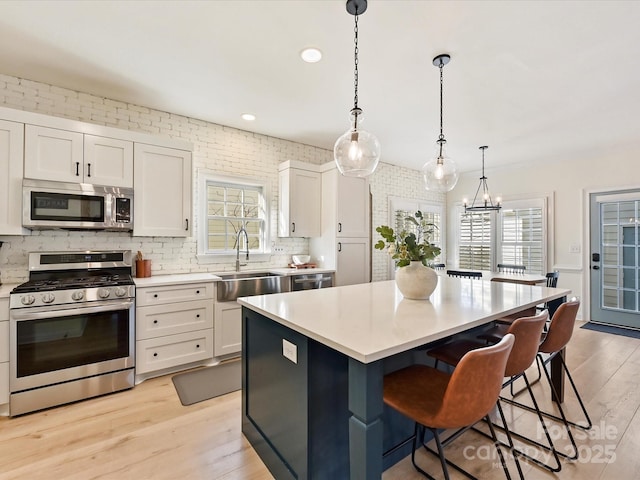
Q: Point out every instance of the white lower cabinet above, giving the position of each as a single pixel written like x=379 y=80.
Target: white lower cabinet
x=179 y=349
x=4 y=355
x=228 y=329
x=174 y=327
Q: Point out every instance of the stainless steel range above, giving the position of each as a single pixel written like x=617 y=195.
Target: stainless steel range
x=71 y=329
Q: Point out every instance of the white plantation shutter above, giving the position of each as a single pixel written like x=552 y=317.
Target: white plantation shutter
x=522 y=238
x=516 y=236
x=475 y=241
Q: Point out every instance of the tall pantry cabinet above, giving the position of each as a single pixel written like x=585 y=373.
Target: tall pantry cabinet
x=345 y=244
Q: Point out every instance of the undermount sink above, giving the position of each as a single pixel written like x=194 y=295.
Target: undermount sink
x=246 y=284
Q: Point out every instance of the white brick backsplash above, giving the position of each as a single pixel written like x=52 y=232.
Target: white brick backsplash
x=217 y=148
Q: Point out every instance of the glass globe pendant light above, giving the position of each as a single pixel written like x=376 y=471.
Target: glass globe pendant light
x=357 y=152
x=441 y=173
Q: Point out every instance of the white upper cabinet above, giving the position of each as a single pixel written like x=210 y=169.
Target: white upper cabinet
x=162 y=186
x=300 y=195
x=352 y=209
x=108 y=161
x=11 y=142
x=73 y=157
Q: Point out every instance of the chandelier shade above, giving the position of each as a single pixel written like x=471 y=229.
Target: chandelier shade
x=356 y=152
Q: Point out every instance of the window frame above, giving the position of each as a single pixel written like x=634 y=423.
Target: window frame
x=205 y=177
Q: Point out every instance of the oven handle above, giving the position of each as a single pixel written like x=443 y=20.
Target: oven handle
x=25 y=314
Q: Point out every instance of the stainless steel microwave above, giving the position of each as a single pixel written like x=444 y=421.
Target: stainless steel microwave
x=76 y=206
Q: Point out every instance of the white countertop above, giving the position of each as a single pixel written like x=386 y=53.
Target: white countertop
x=181 y=278
x=372 y=321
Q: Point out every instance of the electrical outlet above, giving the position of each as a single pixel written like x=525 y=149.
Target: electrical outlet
x=290 y=351
x=278 y=249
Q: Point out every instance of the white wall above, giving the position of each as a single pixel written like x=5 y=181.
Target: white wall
x=569 y=183
x=217 y=148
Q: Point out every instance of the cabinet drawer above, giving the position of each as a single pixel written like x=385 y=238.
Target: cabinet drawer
x=4 y=383
x=4 y=341
x=165 y=352
x=173 y=293
x=159 y=320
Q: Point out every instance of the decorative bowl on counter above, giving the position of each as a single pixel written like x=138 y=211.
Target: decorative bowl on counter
x=300 y=259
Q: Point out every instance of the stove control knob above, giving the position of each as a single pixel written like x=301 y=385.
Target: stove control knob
x=77 y=295
x=120 y=292
x=104 y=292
x=48 y=297
x=27 y=299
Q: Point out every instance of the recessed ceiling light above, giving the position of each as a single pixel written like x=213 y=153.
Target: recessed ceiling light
x=311 y=55
x=249 y=117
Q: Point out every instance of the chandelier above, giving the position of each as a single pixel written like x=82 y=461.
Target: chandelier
x=484 y=203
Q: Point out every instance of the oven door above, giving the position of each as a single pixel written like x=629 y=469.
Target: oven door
x=49 y=346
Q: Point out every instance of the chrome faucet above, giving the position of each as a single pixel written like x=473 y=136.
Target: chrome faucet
x=246 y=242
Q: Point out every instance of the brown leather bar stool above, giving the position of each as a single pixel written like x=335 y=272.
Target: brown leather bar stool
x=555 y=339
x=527 y=332
x=437 y=400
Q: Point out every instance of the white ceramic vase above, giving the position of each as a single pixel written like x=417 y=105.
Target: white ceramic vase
x=415 y=281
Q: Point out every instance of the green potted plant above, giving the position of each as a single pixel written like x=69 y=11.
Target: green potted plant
x=413 y=253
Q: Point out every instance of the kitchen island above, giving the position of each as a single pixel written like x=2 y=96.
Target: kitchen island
x=314 y=361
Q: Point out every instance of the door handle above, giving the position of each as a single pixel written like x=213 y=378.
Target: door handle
x=596 y=267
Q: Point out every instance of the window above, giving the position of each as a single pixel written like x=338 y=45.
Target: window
x=474 y=251
x=516 y=235
x=228 y=204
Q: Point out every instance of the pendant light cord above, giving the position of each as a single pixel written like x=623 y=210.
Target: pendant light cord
x=355 y=61
x=441 y=115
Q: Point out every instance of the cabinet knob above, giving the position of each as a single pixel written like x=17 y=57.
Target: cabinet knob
x=197 y=291
x=155 y=322
x=155 y=295
x=198 y=315
x=198 y=345
x=155 y=354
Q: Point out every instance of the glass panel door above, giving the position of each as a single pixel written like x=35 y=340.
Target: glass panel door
x=615 y=262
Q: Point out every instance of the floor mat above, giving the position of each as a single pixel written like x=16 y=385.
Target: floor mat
x=208 y=382
x=598 y=327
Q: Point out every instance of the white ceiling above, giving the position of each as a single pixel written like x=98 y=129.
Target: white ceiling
x=534 y=80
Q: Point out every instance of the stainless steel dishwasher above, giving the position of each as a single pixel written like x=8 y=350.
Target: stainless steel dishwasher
x=308 y=281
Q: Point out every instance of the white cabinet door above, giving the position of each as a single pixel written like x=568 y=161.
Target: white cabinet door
x=162 y=189
x=227 y=330
x=353 y=260
x=52 y=154
x=11 y=160
x=352 y=207
x=108 y=161
x=300 y=203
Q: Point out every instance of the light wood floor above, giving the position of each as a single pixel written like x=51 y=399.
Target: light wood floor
x=145 y=433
